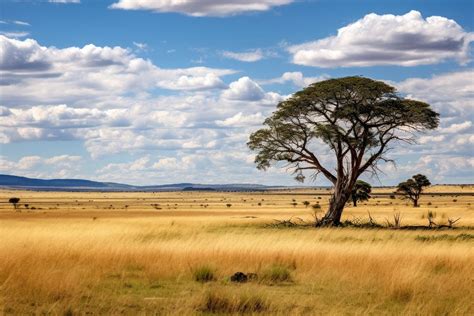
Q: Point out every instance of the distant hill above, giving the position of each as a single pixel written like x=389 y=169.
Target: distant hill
x=16 y=182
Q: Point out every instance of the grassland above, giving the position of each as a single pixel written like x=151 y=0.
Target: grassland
x=139 y=253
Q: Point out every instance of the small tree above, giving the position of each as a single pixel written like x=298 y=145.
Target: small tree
x=360 y=192
x=412 y=188
x=14 y=201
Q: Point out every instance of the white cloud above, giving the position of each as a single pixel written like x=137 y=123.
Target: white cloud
x=239 y=120
x=244 y=89
x=405 y=40
x=22 y=23
x=450 y=93
x=465 y=140
x=456 y=128
x=58 y=166
x=140 y=46
x=14 y=34
x=71 y=75
x=295 y=77
x=62 y=160
x=431 y=139
x=199 y=7
x=249 y=56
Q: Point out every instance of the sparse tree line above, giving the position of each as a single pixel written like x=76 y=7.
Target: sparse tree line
x=411 y=189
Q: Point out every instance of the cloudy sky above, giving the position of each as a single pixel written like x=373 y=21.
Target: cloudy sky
x=159 y=91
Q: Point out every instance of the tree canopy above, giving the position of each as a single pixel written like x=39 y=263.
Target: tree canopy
x=360 y=192
x=412 y=188
x=352 y=119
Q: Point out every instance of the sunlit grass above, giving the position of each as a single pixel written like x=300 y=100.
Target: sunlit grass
x=148 y=263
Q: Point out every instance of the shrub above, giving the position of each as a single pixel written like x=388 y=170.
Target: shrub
x=392 y=196
x=155 y=206
x=204 y=274
x=306 y=203
x=316 y=206
x=228 y=205
x=276 y=273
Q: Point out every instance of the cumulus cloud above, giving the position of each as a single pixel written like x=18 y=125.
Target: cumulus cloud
x=200 y=8
x=296 y=78
x=244 y=89
x=69 y=75
x=61 y=122
x=248 y=56
x=56 y=166
x=405 y=40
x=104 y=100
x=450 y=93
x=456 y=128
x=444 y=154
x=240 y=119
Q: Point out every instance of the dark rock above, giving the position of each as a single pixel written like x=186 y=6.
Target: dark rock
x=239 y=277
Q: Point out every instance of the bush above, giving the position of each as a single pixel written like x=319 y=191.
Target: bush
x=392 y=196
x=228 y=205
x=276 y=273
x=316 y=206
x=204 y=274
x=306 y=203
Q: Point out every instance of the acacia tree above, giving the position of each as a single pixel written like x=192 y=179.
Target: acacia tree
x=14 y=201
x=353 y=119
x=360 y=192
x=412 y=188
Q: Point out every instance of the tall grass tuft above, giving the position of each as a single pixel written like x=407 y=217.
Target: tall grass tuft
x=276 y=273
x=220 y=303
x=204 y=274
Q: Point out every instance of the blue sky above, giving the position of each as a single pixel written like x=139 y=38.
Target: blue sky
x=148 y=92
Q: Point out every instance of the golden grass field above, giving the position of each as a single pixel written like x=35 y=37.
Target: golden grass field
x=73 y=253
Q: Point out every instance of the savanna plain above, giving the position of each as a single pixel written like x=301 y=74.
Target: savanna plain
x=173 y=253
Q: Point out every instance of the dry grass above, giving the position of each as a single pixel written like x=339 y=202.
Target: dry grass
x=85 y=256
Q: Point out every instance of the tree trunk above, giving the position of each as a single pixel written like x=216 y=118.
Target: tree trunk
x=415 y=202
x=336 y=206
x=354 y=201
